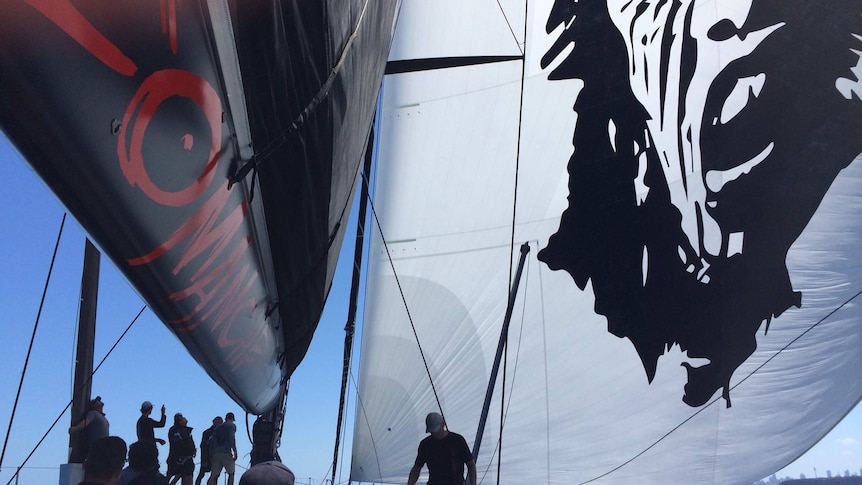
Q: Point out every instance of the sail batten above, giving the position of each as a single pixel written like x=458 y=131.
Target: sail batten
x=414 y=65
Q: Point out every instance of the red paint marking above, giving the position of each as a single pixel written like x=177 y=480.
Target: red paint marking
x=64 y=15
x=212 y=288
x=158 y=87
x=206 y=233
x=168 y=10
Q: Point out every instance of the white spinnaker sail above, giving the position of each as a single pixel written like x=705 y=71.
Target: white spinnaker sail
x=578 y=405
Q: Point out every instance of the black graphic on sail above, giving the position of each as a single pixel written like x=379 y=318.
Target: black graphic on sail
x=701 y=152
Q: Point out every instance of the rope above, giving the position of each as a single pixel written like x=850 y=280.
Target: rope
x=512 y=239
x=69 y=404
x=406 y=308
x=32 y=338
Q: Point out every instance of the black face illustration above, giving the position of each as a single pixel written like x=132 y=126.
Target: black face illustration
x=708 y=133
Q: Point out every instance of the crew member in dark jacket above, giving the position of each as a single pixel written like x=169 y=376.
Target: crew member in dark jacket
x=181 y=463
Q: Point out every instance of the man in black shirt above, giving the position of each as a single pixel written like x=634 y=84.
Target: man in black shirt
x=147 y=425
x=445 y=453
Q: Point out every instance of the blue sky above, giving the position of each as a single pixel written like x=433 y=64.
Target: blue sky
x=150 y=364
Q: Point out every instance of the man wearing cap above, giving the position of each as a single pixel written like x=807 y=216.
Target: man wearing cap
x=445 y=453
x=268 y=473
x=146 y=425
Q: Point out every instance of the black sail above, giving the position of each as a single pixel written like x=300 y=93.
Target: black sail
x=210 y=149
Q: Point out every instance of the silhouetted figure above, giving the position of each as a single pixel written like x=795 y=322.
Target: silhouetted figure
x=146 y=425
x=206 y=454
x=445 y=453
x=104 y=461
x=181 y=462
x=223 y=449
x=143 y=466
x=94 y=424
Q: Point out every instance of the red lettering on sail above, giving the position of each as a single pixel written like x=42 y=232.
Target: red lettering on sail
x=212 y=284
x=207 y=231
x=158 y=87
x=168 y=10
x=236 y=301
x=222 y=284
x=64 y=15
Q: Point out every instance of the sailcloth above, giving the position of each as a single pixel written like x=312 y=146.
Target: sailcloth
x=210 y=148
x=686 y=175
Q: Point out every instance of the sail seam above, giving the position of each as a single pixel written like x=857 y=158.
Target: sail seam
x=435 y=63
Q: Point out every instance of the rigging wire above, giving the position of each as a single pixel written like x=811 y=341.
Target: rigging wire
x=69 y=404
x=523 y=48
x=32 y=338
x=406 y=307
x=719 y=398
x=514 y=223
x=344 y=434
x=370 y=434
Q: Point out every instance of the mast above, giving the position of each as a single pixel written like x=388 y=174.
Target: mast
x=85 y=349
x=350 y=327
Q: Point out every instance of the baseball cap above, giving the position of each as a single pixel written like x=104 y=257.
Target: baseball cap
x=433 y=422
x=146 y=405
x=268 y=473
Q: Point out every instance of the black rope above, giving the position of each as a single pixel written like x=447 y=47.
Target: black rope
x=90 y=379
x=32 y=338
x=523 y=48
x=406 y=307
x=512 y=235
x=719 y=398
